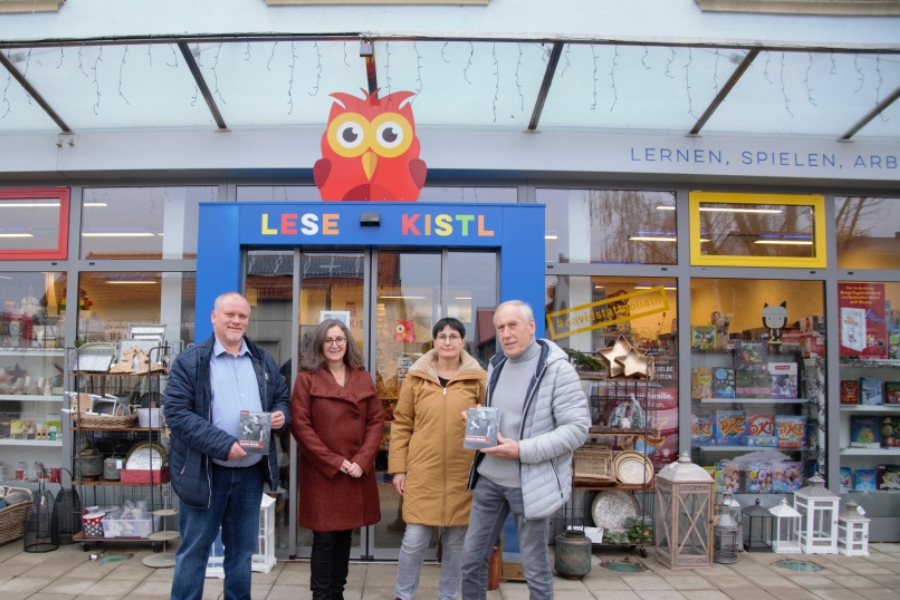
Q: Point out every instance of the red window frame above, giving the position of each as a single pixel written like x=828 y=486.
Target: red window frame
x=60 y=252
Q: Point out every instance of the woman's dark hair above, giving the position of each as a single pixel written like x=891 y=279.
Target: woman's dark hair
x=454 y=324
x=314 y=359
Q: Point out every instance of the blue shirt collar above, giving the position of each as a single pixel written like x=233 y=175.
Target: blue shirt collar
x=219 y=349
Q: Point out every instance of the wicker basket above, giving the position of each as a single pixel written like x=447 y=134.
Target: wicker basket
x=13 y=518
x=124 y=417
x=594 y=462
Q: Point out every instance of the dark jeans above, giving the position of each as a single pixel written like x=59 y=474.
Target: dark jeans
x=236 y=496
x=329 y=564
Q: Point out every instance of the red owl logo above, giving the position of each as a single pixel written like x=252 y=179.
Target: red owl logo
x=370 y=150
x=405 y=332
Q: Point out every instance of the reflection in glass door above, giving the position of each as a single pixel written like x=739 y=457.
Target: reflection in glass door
x=414 y=290
x=391 y=300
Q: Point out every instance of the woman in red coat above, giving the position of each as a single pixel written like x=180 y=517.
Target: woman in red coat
x=337 y=420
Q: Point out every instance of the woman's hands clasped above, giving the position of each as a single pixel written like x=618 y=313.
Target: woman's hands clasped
x=352 y=469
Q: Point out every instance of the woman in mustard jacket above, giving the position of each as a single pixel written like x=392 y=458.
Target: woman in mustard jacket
x=337 y=420
x=427 y=458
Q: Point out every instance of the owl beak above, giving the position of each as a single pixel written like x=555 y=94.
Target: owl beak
x=369 y=160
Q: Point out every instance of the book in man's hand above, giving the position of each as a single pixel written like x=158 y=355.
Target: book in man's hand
x=482 y=425
x=254 y=431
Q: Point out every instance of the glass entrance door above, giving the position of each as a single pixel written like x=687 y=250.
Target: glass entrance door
x=391 y=299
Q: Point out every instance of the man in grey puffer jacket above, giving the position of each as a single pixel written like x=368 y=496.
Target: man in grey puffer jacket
x=544 y=417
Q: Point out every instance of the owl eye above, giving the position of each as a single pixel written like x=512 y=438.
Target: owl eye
x=390 y=134
x=347 y=135
x=350 y=135
x=393 y=135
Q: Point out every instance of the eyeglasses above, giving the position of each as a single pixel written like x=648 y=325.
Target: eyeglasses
x=333 y=341
x=452 y=338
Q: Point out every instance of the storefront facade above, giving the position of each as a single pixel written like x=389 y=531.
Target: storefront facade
x=697 y=231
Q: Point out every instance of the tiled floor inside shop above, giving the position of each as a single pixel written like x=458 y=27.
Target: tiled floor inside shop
x=70 y=572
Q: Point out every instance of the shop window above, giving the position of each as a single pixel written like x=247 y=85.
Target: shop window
x=122 y=223
x=609 y=226
x=110 y=302
x=278 y=193
x=34 y=224
x=757 y=373
x=589 y=315
x=868 y=232
x=30 y=310
x=757 y=230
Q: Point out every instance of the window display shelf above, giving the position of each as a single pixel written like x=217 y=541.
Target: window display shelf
x=31 y=398
x=881 y=408
x=752 y=400
x=7 y=442
x=28 y=352
x=746 y=449
x=893 y=452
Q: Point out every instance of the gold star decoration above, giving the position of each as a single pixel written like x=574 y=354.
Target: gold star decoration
x=613 y=353
x=634 y=364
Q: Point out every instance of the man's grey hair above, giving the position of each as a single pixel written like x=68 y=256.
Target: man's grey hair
x=217 y=305
x=524 y=309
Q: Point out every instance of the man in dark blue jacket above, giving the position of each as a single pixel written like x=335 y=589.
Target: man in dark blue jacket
x=220 y=485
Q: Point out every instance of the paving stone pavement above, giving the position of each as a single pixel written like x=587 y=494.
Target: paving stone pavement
x=69 y=573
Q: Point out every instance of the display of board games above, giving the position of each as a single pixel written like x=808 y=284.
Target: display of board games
x=784 y=381
x=702 y=382
x=731 y=427
x=752 y=383
x=761 y=430
x=723 y=383
x=870 y=391
x=849 y=391
x=865 y=431
x=703 y=337
x=750 y=355
x=702 y=430
x=791 y=430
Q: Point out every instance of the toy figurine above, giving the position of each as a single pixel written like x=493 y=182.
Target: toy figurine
x=775 y=319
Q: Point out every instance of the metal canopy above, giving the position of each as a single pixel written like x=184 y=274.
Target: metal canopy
x=254 y=82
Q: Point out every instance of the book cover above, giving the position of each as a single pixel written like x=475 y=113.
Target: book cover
x=890 y=432
x=703 y=337
x=482 y=426
x=865 y=431
x=255 y=429
x=702 y=382
x=791 y=430
x=723 y=383
x=731 y=427
x=888 y=477
x=757 y=478
x=846 y=479
x=849 y=391
x=750 y=355
x=863 y=323
x=783 y=376
x=870 y=389
x=751 y=383
x=865 y=480
x=22 y=429
x=892 y=392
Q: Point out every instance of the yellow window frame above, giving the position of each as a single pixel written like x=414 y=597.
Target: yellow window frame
x=819 y=259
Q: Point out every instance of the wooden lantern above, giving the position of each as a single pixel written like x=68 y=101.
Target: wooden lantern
x=819 y=509
x=853 y=531
x=683 y=519
x=786 y=537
